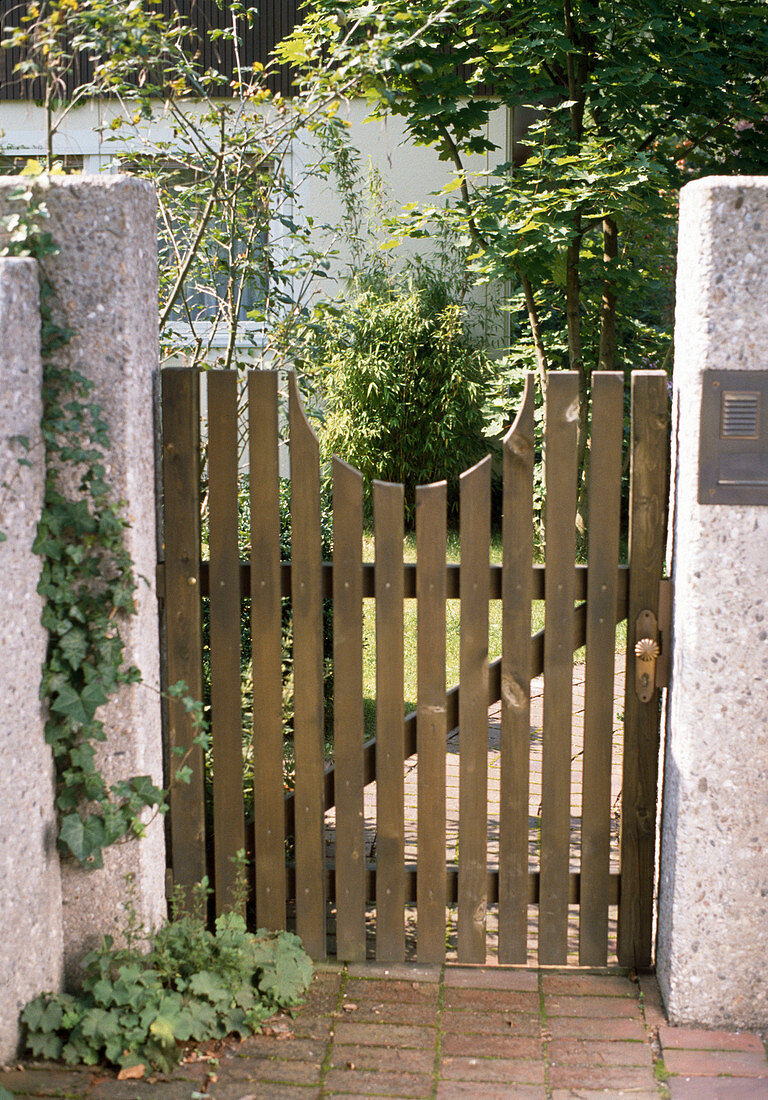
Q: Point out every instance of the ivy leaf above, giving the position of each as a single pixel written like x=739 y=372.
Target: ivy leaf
x=74 y=646
x=83 y=838
x=69 y=704
x=93 y=697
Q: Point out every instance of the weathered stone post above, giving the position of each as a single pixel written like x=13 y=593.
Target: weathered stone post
x=713 y=893
x=30 y=885
x=104 y=281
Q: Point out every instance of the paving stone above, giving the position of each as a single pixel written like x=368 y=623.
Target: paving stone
x=649 y=988
x=399 y=992
x=267 y=1046
x=317 y=1028
x=393 y=1060
x=322 y=995
x=370 y=1011
x=494 y=1070
x=347 y=1095
x=373 y=1083
x=141 y=1090
x=592 y=1007
x=655 y=1017
x=274 y=1069
x=493 y=1046
x=601 y=1077
x=490 y=978
x=404 y=972
x=499 y=1023
x=691 y=1038
x=46 y=1080
x=385 y=1035
x=715 y=1063
x=457 y=1090
x=511 y=1000
x=571 y=1027
x=232 y=1090
x=589 y=985
x=716 y=1088
x=584 y=1053
x=601 y=1094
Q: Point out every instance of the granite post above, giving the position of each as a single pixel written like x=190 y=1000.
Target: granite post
x=30 y=884
x=713 y=891
x=104 y=280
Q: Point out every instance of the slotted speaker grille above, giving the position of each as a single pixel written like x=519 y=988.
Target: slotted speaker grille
x=740 y=414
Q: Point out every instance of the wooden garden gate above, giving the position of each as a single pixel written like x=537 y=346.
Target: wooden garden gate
x=582 y=606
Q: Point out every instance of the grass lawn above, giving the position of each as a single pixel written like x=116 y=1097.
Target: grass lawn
x=452 y=617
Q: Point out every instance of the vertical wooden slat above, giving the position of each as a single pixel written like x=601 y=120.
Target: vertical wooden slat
x=181 y=519
x=390 y=729
x=474 y=588
x=307 y=604
x=431 y=719
x=517 y=537
x=647 y=525
x=560 y=448
x=348 y=710
x=226 y=714
x=266 y=650
x=602 y=588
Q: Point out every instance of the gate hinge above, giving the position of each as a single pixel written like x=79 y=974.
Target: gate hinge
x=664 y=663
x=160 y=580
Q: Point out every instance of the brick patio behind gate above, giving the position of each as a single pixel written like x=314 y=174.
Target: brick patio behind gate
x=452 y=814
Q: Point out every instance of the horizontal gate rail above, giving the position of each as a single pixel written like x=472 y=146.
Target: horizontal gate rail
x=452 y=885
x=538 y=580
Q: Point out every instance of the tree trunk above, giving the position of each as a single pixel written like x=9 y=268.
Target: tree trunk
x=607 y=353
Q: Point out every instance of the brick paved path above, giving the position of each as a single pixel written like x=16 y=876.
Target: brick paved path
x=407 y=1031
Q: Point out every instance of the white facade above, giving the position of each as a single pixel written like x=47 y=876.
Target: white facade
x=412 y=174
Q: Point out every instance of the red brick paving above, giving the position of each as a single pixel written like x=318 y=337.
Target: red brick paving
x=689 y=1038
x=486 y=1033
x=721 y=1088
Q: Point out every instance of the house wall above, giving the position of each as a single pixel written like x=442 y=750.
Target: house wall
x=412 y=174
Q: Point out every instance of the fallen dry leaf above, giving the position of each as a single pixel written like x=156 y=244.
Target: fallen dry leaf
x=279 y=1028
x=132 y=1073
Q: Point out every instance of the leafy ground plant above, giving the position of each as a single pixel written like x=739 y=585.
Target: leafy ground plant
x=138 y=1007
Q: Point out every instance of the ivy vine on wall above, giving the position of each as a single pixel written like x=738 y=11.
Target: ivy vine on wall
x=87 y=580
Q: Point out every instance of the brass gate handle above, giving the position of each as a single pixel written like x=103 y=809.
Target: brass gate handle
x=646 y=652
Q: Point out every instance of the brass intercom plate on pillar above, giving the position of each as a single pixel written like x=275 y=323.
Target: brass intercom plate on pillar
x=733 y=445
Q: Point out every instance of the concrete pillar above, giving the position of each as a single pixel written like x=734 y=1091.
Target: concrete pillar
x=104 y=279
x=30 y=884
x=713 y=892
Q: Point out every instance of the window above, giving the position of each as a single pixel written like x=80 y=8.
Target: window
x=213 y=237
